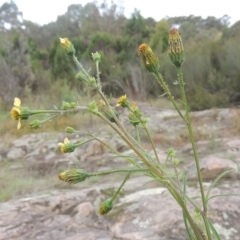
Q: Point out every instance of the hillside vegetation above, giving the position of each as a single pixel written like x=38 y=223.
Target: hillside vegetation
x=33 y=64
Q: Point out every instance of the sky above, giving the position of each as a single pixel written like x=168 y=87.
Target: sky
x=45 y=11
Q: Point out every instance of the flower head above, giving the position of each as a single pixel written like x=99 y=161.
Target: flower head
x=66 y=146
x=175 y=48
x=69 y=130
x=73 y=176
x=67 y=46
x=135 y=114
x=106 y=206
x=19 y=113
x=107 y=111
x=35 y=124
x=123 y=101
x=96 y=57
x=149 y=59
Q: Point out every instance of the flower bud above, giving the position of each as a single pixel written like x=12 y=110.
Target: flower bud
x=66 y=105
x=149 y=59
x=135 y=114
x=81 y=77
x=96 y=57
x=35 y=124
x=123 y=101
x=171 y=152
x=73 y=104
x=106 y=206
x=106 y=111
x=66 y=146
x=175 y=48
x=73 y=176
x=69 y=130
x=67 y=46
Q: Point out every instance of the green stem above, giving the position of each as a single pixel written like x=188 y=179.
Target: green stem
x=148 y=134
x=107 y=172
x=197 y=162
x=98 y=76
x=155 y=171
x=197 y=231
x=124 y=181
x=166 y=90
x=79 y=65
x=137 y=135
x=153 y=145
x=79 y=108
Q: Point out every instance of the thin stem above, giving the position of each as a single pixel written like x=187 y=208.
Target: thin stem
x=137 y=135
x=198 y=232
x=191 y=135
x=148 y=134
x=153 y=145
x=98 y=76
x=79 y=65
x=78 y=108
x=154 y=170
x=166 y=90
x=124 y=181
x=103 y=173
x=132 y=146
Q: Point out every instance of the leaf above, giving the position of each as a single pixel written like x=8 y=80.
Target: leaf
x=162 y=95
x=215 y=182
x=224 y=195
x=190 y=235
x=213 y=230
x=195 y=197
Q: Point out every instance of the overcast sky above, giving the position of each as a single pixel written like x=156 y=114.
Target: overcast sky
x=45 y=11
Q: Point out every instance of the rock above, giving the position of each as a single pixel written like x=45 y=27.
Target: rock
x=234 y=145
x=16 y=153
x=212 y=166
x=141 y=211
x=138 y=214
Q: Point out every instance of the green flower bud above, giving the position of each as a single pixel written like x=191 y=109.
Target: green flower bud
x=150 y=61
x=81 y=77
x=66 y=105
x=73 y=176
x=73 y=104
x=69 y=130
x=175 y=48
x=96 y=57
x=106 y=206
x=35 y=124
x=106 y=111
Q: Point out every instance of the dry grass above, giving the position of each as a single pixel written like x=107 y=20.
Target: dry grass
x=17 y=182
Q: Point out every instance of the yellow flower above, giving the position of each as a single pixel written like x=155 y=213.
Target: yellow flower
x=66 y=146
x=67 y=45
x=149 y=59
x=123 y=101
x=16 y=111
x=19 y=113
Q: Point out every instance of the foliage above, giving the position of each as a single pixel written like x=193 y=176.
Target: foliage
x=30 y=57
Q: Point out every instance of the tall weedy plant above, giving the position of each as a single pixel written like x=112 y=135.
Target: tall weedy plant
x=199 y=227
